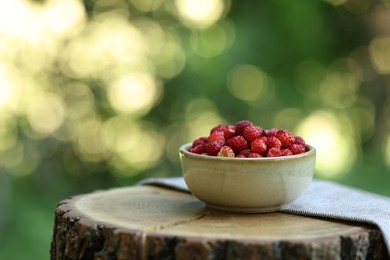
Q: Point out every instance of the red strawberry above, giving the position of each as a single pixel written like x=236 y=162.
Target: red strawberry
x=237 y=143
x=245 y=140
x=271 y=132
x=285 y=137
x=218 y=128
x=286 y=152
x=199 y=149
x=241 y=125
x=274 y=152
x=297 y=148
x=226 y=151
x=201 y=140
x=299 y=140
x=229 y=131
x=244 y=153
x=216 y=137
x=254 y=155
x=258 y=146
x=213 y=148
x=251 y=133
x=261 y=130
x=273 y=142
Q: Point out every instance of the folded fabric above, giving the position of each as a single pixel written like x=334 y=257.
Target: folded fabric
x=323 y=199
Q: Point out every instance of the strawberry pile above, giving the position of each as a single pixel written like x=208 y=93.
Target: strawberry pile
x=245 y=140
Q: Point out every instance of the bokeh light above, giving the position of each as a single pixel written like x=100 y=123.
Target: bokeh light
x=214 y=40
x=360 y=64
x=200 y=13
x=5 y=86
x=64 y=16
x=203 y=114
x=89 y=140
x=288 y=118
x=134 y=94
x=358 y=7
x=386 y=149
x=147 y=5
x=80 y=101
x=336 y=152
x=101 y=93
x=380 y=54
x=339 y=90
x=20 y=19
x=336 y=2
x=250 y=83
x=45 y=113
x=134 y=147
x=8 y=133
x=105 y=43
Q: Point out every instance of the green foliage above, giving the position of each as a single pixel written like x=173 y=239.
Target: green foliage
x=105 y=97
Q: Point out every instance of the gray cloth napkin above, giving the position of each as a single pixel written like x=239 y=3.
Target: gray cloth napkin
x=323 y=199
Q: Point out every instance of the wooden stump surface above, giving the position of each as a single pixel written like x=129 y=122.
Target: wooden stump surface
x=146 y=222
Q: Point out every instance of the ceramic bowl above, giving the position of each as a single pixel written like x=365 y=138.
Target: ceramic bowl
x=247 y=185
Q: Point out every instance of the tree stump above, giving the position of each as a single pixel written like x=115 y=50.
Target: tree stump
x=146 y=222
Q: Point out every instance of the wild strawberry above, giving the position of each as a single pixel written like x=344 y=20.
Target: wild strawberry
x=273 y=142
x=297 y=148
x=270 y=132
x=274 y=152
x=264 y=138
x=285 y=137
x=241 y=125
x=258 y=146
x=245 y=140
x=254 y=155
x=213 y=148
x=216 y=137
x=237 y=143
x=199 y=149
x=286 y=152
x=251 y=133
x=226 y=151
x=244 y=153
x=261 y=130
x=201 y=140
x=299 y=140
x=218 y=128
x=229 y=131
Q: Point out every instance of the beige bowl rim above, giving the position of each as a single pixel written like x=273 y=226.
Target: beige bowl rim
x=185 y=147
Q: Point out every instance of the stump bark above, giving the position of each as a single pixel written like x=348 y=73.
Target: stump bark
x=145 y=222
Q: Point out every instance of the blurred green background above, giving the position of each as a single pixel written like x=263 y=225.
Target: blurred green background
x=100 y=94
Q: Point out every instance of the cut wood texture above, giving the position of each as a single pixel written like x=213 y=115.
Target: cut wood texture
x=147 y=222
